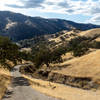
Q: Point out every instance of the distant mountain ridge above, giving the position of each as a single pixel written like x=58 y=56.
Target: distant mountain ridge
x=19 y=27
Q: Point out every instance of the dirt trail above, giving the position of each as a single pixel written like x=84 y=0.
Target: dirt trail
x=20 y=89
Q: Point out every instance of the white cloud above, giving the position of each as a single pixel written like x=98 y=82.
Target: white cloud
x=4 y=2
x=84 y=7
x=87 y=7
x=95 y=19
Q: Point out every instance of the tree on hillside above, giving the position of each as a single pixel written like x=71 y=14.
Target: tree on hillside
x=78 y=46
x=8 y=51
x=42 y=57
x=47 y=56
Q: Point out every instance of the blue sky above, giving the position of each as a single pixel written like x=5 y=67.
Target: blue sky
x=83 y=11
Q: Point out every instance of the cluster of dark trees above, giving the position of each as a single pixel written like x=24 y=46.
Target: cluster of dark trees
x=40 y=54
x=8 y=51
x=46 y=56
x=78 y=46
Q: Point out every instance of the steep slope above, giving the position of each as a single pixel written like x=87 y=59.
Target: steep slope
x=19 y=27
x=85 y=66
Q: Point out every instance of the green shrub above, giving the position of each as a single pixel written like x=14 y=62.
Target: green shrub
x=8 y=51
x=80 y=49
x=46 y=56
x=95 y=45
x=78 y=46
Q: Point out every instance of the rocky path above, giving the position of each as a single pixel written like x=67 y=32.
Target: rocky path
x=20 y=89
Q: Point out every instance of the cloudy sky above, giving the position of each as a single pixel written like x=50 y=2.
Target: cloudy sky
x=84 y=11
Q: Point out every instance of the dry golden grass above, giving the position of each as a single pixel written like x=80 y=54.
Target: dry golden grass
x=66 y=35
x=4 y=81
x=85 y=66
x=90 y=33
x=97 y=39
x=63 y=92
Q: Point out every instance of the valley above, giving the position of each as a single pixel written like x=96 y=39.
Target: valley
x=80 y=73
x=48 y=59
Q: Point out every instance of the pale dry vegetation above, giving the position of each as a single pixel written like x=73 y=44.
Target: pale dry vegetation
x=64 y=37
x=90 y=33
x=5 y=79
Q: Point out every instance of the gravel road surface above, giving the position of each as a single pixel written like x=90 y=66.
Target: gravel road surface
x=20 y=89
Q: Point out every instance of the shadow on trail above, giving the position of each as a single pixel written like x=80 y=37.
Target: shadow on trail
x=20 y=81
x=14 y=69
x=16 y=81
x=8 y=94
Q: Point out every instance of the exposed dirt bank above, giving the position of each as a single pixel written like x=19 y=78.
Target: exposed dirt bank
x=79 y=82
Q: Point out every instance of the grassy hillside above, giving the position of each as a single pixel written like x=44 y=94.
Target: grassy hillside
x=91 y=33
x=79 y=53
x=85 y=66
